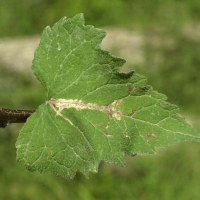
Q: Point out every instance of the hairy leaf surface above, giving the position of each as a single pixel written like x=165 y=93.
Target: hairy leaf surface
x=92 y=112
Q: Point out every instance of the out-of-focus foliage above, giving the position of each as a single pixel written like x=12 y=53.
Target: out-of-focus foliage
x=23 y=17
x=19 y=91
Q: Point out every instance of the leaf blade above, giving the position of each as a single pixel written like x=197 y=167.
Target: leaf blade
x=93 y=112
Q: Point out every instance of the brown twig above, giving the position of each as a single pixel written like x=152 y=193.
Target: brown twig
x=8 y=116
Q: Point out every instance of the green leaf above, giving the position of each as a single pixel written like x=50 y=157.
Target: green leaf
x=92 y=112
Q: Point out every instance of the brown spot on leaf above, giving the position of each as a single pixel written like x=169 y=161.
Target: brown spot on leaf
x=108 y=135
x=128 y=87
x=136 y=89
x=105 y=132
x=154 y=135
x=132 y=113
x=103 y=127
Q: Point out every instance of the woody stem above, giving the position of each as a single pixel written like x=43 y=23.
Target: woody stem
x=8 y=116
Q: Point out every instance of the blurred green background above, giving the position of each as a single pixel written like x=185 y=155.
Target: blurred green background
x=171 y=33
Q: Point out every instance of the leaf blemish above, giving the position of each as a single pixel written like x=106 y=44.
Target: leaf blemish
x=132 y=113
x=51 y=153
x=151 y=135
x=106 y=133
x=128 y=87
x=136 y=89
x=80 y=105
